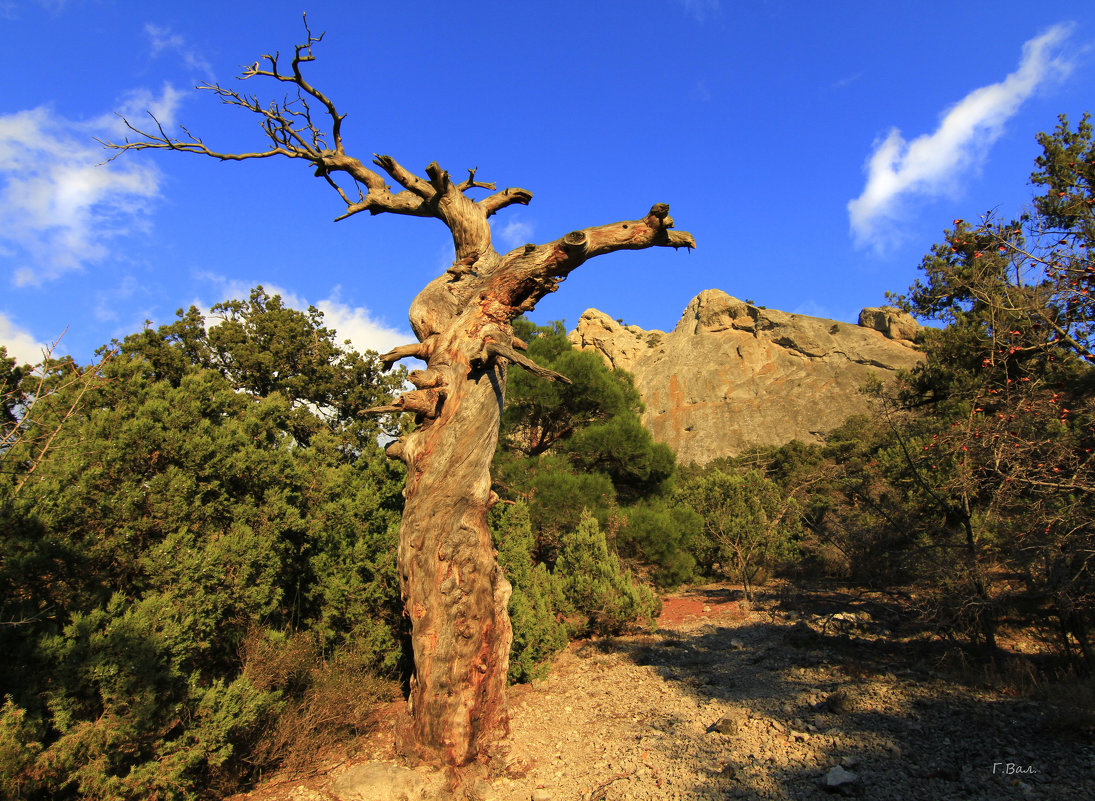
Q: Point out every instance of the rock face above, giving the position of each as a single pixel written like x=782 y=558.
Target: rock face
x=732 y=376
x=894 y=323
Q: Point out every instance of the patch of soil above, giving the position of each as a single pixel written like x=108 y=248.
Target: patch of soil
x=700 y=603
x=778 y=699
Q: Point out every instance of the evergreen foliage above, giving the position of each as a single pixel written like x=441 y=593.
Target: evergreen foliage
x=751 y=526
x=1007 y=396
x=565 y=448
x=173 y=514
x=664 y=535
x=974 y=481
x=600 y=596
x=536 y=602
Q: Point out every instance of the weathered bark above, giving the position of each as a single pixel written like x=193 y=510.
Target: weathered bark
x=455 y=594
x=453 y=590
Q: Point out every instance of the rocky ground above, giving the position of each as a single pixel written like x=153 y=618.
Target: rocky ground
x=785 y=698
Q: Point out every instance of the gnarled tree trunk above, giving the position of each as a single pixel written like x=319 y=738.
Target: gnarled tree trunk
x=453 y=590
x=455 y=594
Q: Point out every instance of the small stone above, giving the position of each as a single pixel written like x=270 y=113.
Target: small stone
x=729 y=724
x=736 y=645
x=483 y=791
x=540 y=794
x=839 y=703
x=800 y=736
x=380 y=781
x=839 y=780
x=707 y=609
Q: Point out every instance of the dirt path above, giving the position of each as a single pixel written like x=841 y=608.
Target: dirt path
x=728 y=700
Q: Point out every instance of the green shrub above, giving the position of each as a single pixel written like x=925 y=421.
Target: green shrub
x=19 y=749
x=751 y=525
x=600 y=597
x=188 y=501
x=537 y=598
x=134 y=717
x=662 y=534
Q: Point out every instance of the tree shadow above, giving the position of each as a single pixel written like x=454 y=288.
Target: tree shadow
x=807 y=696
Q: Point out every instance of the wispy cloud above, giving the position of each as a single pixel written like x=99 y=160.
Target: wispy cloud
x=11 y=9
x=930 y=165
x=701 y=10
x=60 y=207
x=514 y=233
x=20 y=342
x=164 y=40
x=108 y=300
x=699 y=92
x=811 y=308
x=847 y=80
x=135 y=106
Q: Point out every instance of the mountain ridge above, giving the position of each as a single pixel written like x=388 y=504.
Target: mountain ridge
x=733 y=375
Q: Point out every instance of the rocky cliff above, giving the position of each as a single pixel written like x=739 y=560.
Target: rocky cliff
x=732 y=375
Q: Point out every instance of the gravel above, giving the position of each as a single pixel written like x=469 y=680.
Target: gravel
x=760 y=702
x=754 y=707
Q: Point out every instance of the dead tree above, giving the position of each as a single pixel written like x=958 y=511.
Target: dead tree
x=453 y=590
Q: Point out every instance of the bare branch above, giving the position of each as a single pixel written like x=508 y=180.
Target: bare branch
x=162 y=141
x=294 y=133
x=439 y=178
x=498 y=349
x=417 y=349
x=404 y=177
x=507 y=197
x=470 y=182
x=654 y=230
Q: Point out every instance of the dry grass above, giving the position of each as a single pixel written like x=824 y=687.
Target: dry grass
x=329 y=699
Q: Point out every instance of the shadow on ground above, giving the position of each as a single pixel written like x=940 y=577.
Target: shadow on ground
x=811 y=692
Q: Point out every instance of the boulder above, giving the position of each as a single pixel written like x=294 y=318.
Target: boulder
x=733 y=376
x=891 y=322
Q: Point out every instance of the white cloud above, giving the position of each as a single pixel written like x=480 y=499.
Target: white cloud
x=930 y=165
x=135 y=106
x=356 y=324
x=60 y=207
x=353 y=323
x=20 y=343
x=163 y=40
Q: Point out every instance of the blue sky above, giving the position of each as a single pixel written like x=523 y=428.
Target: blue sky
x=814 y=150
